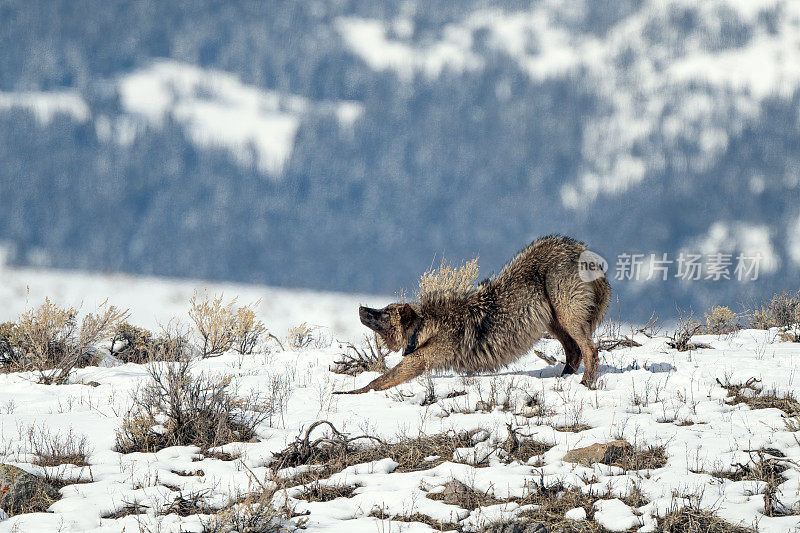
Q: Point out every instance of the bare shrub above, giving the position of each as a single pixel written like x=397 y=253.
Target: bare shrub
x=449 y=278
x=188 y=504
x=252 y=514
x=782 y=311
x=767 y=465
x=279 y=391
x=54 y=449
x=686 y=329
x=720 y=320
x=50 y=341
x=756 y=397
x=608 y=344
x=178 y=408
x=522 y=448
x=609 y=335
x=335 y=450
x=370 y=357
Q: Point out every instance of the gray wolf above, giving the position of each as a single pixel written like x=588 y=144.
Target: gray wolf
x=483 y=329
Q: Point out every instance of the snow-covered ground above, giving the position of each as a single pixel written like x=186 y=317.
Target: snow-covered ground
x=649 y=395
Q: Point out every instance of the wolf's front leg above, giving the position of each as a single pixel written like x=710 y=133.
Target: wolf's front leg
x=410 y=367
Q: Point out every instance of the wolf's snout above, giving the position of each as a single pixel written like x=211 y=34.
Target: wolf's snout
x=372 y=318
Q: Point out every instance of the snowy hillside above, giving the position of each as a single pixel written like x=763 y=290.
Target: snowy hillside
x=690 y=445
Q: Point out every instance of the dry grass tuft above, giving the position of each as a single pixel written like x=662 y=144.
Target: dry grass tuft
x=755 y=397
x=178 y=408
x=691 y=519
x=52 y=342
x=643 y=458
x=449 y=278
x=318 y=492
x=54 y=449
x=553 y=501
x=302 y=337
x=252 y=514
x=415 y=517
x=415 y=453
x=464 y=496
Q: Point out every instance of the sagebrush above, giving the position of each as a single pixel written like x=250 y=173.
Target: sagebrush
x=721 y=320
x=222 y=326
x=781 y=311
x=51 y=341
x=179 y=408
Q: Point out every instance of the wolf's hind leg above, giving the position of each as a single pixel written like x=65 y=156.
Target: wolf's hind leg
x=410 y=367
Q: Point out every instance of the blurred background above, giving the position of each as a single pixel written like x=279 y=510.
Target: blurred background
x=348 y=145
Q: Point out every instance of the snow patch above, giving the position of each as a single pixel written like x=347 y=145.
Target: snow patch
x=218 y=110
x=740 y=237
x=46 y=105
x=257 y=126
x=369 y=40
x=793 y=241
x=615 y=515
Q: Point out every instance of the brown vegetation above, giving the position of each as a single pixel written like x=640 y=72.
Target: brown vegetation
x=179 y=408
x=52 y=342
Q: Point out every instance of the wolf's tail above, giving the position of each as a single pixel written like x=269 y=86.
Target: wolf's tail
x=602 y=295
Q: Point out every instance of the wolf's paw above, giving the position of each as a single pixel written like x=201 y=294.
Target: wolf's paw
x=357 y=391
x=568 y=370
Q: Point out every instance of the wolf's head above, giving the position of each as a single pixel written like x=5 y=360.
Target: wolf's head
x=395 y=323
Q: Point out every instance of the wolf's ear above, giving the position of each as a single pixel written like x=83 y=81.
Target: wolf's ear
x=407 y=315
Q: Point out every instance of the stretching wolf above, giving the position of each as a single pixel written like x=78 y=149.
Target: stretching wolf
x=540 y=290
